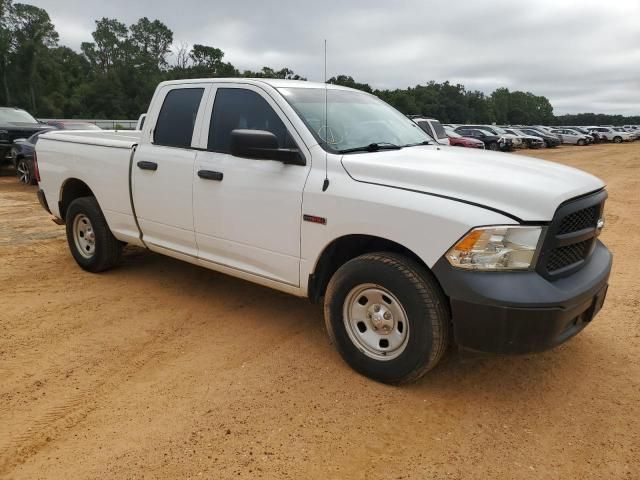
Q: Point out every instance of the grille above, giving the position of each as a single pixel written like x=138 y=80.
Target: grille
x=568 y=255
x=571 y=236
x=585 y=218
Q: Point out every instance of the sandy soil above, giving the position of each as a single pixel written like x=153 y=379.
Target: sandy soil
x=161 y=369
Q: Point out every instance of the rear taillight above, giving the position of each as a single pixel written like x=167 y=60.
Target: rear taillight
x=36 y=170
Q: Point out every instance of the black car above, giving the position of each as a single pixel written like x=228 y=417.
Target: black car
x=23 y=151
x=491 y=142
x=550 y=141
x=15 y=124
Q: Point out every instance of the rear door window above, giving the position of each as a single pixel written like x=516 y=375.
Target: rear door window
x=177 y=118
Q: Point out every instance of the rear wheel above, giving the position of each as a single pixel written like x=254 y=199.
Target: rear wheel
x=24 y=172
x=387 y=316
x=92 y=244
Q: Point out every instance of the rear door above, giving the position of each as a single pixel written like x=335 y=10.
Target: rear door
x=163 y=169
x=248 y=212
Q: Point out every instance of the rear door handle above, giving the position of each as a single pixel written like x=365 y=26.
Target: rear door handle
x=210 y=175
x=147 y=165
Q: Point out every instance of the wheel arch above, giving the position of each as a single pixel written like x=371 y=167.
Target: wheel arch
x=345 y=248
x=71 y=189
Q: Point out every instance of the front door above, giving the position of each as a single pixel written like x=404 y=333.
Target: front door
x=248 y=212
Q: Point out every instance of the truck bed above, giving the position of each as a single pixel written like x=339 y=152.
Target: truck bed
x=101 y=160
x=105 y=138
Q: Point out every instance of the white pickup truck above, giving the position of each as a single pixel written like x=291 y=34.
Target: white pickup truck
x=328 y=193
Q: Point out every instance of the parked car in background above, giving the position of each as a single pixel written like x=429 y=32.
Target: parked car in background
x=594 y=138
x=610 y=135
x=550 y=141
x=570 y=137
x=491 y=141
x=16 y=123
x=634 y=135
x=433 y=128
x=24 y=161
x=499 y=132
x=457 y=140
x=547 y=130
x=73 y=125
x=530 y=141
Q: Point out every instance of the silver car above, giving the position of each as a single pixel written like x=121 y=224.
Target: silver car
x=570 y=136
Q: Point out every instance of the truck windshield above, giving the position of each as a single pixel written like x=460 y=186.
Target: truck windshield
x=354 y=119
x=13 y=115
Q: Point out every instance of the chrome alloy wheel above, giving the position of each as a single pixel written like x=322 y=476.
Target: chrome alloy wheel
x=23 y=172
x=84 y=236
x=376 y=322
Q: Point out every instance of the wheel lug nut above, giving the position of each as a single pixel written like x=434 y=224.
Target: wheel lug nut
x=376 y=308
x=387 y=316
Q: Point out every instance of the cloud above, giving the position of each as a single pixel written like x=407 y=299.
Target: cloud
x=582 y=54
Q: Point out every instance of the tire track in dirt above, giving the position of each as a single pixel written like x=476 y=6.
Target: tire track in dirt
x=36 y=431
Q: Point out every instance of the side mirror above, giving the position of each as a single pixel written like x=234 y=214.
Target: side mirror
x=262 y=145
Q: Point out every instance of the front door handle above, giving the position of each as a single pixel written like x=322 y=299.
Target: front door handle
x=148 y=165
x=210 y=175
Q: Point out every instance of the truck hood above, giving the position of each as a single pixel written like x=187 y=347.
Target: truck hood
x=526 y=188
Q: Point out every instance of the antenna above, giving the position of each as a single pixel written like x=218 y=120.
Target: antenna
x=325 y=184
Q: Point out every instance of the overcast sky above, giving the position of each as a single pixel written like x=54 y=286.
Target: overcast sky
x=583 y=55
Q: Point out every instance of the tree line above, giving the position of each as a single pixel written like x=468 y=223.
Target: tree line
x=115 y=74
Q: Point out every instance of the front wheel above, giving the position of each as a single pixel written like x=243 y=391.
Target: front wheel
x=494 y=146
x=617 y=140
x=387 y=316
x=581 y=142
x=92 y=244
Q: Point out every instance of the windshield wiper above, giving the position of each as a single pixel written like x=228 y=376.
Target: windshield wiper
x=372 y=147
x=426 y=142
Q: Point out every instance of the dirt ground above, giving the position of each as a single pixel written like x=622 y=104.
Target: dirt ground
x=160 y=369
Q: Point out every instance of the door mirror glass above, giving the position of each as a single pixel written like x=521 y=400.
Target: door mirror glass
x=262 y=145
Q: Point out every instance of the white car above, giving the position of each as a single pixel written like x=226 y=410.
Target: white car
x=633 y=133
x=407 y=244
x=611 y=135
x=571 y=137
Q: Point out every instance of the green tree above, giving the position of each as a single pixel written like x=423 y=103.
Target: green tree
x=348 y=81
x=34 y=34
x=152 y=41
x=110 y=44
x=268 y=72
x=6 y=44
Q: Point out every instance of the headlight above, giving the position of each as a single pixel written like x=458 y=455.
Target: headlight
x=496 y=248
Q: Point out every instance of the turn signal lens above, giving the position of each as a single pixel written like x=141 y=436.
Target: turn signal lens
x=496 y=248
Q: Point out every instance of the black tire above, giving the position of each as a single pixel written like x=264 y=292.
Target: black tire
x=24 y=172
x=420 y=298
x=107 y=249
x=493 y=146
x=617 y=139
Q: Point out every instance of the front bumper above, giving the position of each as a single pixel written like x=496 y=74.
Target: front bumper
x=522 y=312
